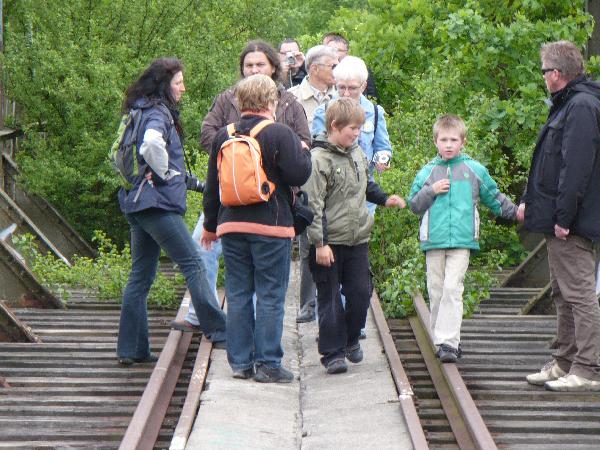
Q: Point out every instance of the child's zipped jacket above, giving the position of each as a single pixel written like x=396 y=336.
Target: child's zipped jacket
x=451 y=220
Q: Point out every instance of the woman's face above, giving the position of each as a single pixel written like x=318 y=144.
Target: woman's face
x=257 y=62
x=177 y=86
x=351 y=88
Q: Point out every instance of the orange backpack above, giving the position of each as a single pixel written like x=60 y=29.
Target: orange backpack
x=242 y=179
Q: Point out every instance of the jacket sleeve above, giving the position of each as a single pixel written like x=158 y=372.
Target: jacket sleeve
x=212 y=123
x=495 y=200
x=581 y=139
x=381 y=140
x=375 y=194
x=210 y=200
x=293 y=161
x=154 y=146
x=300 y=122
x=316 y=188
x=318 y=125
x=421 y=196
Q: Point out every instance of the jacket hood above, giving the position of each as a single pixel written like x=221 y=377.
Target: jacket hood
x=321 y=141
x=462 y=157
x=145 y=102
x=587 y=85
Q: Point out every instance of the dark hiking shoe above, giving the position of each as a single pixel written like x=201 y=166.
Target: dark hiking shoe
x=448 y=354
x=129 y=361
x=362 y=335
x=185 y=326
x=266 y=374
x=244 y=374
x=336 y=366
x=354 y=354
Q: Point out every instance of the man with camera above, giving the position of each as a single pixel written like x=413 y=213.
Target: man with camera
x=292 y=63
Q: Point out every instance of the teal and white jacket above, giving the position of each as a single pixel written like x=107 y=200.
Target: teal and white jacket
x=451 y=220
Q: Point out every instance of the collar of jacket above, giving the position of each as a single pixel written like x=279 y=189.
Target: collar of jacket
x=442 y=162
x=322 y=141
x=559 y=98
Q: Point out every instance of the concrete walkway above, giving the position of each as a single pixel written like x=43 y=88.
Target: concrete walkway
x=355 y=410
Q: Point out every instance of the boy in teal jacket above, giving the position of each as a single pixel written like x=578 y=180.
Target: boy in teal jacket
x=445 y=193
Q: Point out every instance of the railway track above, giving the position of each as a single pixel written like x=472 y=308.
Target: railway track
x=69 y=390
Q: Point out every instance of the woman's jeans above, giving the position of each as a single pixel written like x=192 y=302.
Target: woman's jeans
x=152 y=230
x=258 y=264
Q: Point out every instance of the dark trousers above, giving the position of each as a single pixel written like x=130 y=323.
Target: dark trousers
x=339 y=326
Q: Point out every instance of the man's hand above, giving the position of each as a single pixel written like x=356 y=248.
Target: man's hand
x=208 y=239
x=521 y=212
x=560 y=232
x=441 y=186
x=325 y=256
x=395 y=201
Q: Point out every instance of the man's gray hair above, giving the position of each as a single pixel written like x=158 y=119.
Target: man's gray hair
x=316 y=54
x=564 y=56
x=351 y=68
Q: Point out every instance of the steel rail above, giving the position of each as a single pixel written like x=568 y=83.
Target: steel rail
x=405 y=391
x=149 y=415
x=192 y=399
x=466 y=422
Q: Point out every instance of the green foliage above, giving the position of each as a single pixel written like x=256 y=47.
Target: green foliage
x=107 y=273
x=67 y=65
x=476 y=58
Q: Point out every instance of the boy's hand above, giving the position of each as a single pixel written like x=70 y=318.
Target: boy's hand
x=207 y=239
x=521 y=213
x=441 y=186
x=395 y=201
x=325 y=256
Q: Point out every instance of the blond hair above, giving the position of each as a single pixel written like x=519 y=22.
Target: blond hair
x=344 y=111
x=255 y=93
x=564 y=56
x=449 y=122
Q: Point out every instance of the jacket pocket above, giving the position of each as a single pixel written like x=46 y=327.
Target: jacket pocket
x=551 y=159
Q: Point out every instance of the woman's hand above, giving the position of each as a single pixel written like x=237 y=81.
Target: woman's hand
x=325 y=256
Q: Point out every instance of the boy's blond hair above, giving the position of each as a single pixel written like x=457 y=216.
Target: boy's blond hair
x=344 y=111
x=449 y=122
x=255 y=93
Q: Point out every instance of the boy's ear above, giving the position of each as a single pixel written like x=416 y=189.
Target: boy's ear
x=334 y=125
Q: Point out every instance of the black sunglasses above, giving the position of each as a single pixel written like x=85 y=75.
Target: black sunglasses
x=545 y=71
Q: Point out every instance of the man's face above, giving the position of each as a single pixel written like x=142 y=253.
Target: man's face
x=257 y=62
x=294 y=49
x=552 y=77
x=323 y=70
x=342 y=50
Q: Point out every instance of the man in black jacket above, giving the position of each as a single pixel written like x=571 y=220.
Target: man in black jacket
x=562 y=200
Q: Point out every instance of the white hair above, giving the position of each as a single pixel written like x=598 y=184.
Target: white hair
x=316 y=54
x=351 y=68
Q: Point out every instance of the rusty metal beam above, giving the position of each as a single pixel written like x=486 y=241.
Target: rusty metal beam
x=16 y=330
x=469 y=429
x=403 y=386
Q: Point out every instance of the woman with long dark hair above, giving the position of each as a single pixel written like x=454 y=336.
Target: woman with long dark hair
x=154 y=207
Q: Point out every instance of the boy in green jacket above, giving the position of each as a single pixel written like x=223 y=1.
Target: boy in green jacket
x=337 y=190
x=445 y=193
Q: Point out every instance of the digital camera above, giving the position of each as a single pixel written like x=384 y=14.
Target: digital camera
x=381 y=158
x=290 y=59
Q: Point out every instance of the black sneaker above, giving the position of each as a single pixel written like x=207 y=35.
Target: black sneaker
x=266 y=374
x=354 y=354
x=448 y=354
x=129 y=361
x=305 y=316
x=244 y=374
x=336 y=366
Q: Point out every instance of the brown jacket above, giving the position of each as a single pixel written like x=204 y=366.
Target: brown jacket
x=225 y=111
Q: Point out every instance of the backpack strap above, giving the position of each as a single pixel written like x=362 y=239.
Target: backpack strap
x=259 y=127
x=376 y=120
x=231 y=129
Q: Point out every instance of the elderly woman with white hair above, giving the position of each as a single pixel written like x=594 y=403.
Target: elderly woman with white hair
x=351 y=80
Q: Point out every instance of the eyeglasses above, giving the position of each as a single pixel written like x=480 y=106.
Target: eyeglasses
x=549 y=69
x=342 y=88
x=331 y=66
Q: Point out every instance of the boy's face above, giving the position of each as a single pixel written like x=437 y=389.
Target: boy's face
x=449 y=144
x=345 y=136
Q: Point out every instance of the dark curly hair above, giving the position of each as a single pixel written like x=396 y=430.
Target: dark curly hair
x=268 y=51
x=154 y=83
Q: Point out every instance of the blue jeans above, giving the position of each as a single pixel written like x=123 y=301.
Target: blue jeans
x=258 y=264
x=151 y=230
x=210 y=258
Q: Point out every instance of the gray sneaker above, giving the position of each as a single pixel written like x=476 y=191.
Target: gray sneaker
x=266 y=374
x=336 y=366
x=551 y=371
x=572 y=383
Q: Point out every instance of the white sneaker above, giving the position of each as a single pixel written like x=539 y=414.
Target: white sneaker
x=550 y=371
x=572 y=383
